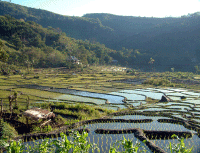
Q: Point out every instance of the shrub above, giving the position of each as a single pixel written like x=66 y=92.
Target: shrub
x=179 y=147
x=7 y=132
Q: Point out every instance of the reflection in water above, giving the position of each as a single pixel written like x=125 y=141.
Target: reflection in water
x=104 y=144
x=111 y=98
x=134 y=97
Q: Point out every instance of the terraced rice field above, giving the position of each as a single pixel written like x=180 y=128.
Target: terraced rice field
x=184 y=111
x=105 y=140
x=187 y=109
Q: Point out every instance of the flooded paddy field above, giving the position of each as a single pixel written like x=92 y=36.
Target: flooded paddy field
x=183 y=110
x=181 y=114
x=108 y=139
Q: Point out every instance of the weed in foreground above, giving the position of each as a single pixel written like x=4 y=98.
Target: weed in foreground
x=179 y=147
x=81 y=145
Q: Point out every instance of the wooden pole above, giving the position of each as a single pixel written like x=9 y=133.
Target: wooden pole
x=49 y=105
x=28 y=103
x=1 y=107
x=10 y=105
x=27 y=122
x=15 y=98
x=15 y=103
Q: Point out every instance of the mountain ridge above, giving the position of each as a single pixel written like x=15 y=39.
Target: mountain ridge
x=167 y=40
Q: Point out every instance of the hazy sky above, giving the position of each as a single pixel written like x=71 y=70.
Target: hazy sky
x=148 y=8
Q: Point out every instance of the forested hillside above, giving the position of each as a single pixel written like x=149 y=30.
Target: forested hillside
x=75 y=27
x=171 y=42
x=28 y=43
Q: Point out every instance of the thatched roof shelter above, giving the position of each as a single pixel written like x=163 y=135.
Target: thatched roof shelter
x=38 y=113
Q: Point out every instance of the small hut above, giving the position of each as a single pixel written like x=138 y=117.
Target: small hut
x=38 y=113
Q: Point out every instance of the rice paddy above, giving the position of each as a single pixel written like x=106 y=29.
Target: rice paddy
x=181 y=109
x=99 y=89
x=155 y=125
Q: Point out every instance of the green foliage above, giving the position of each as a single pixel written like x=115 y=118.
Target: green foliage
x=43 y=147
x=172 y=69
x=80 y=144
x=158 y=82
x=3 y=55
x=179 y=147
x=111 y=30
x=7 y=132
x=127 y=145
x=63 y=145
x=14 y=146
x=40 y=47
x=44 y=129
x=81 y=111
x=197 y=69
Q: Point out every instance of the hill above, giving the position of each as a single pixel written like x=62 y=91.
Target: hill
x=29 y=44
x=75 y=27
x=171 y=42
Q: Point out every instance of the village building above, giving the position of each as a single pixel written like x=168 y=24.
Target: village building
x=74 y=60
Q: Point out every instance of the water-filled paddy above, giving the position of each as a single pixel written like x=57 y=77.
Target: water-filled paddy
x=151 y=94
x=131 y=96
x=81 y=99
x=136 y=98
x=155 y=125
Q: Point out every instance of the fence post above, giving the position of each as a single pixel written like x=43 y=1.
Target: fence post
x=1 y=107
x=49 y=105
x=15 y=98
x=10 y=105
x=28 y=103
x=27 y=122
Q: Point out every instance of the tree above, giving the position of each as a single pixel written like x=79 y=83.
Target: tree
x=197 y=68
x=17 y=41
x=151 y=62
x=3 y=55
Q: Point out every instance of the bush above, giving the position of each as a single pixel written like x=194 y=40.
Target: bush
x=45 y=129
x=157 y=82
x=7 y=132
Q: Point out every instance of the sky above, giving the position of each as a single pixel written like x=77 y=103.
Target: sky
x=142 y=8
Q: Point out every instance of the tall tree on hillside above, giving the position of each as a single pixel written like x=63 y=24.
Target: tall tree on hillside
x=17 y=41
x=151 y=61
x=3 y=55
